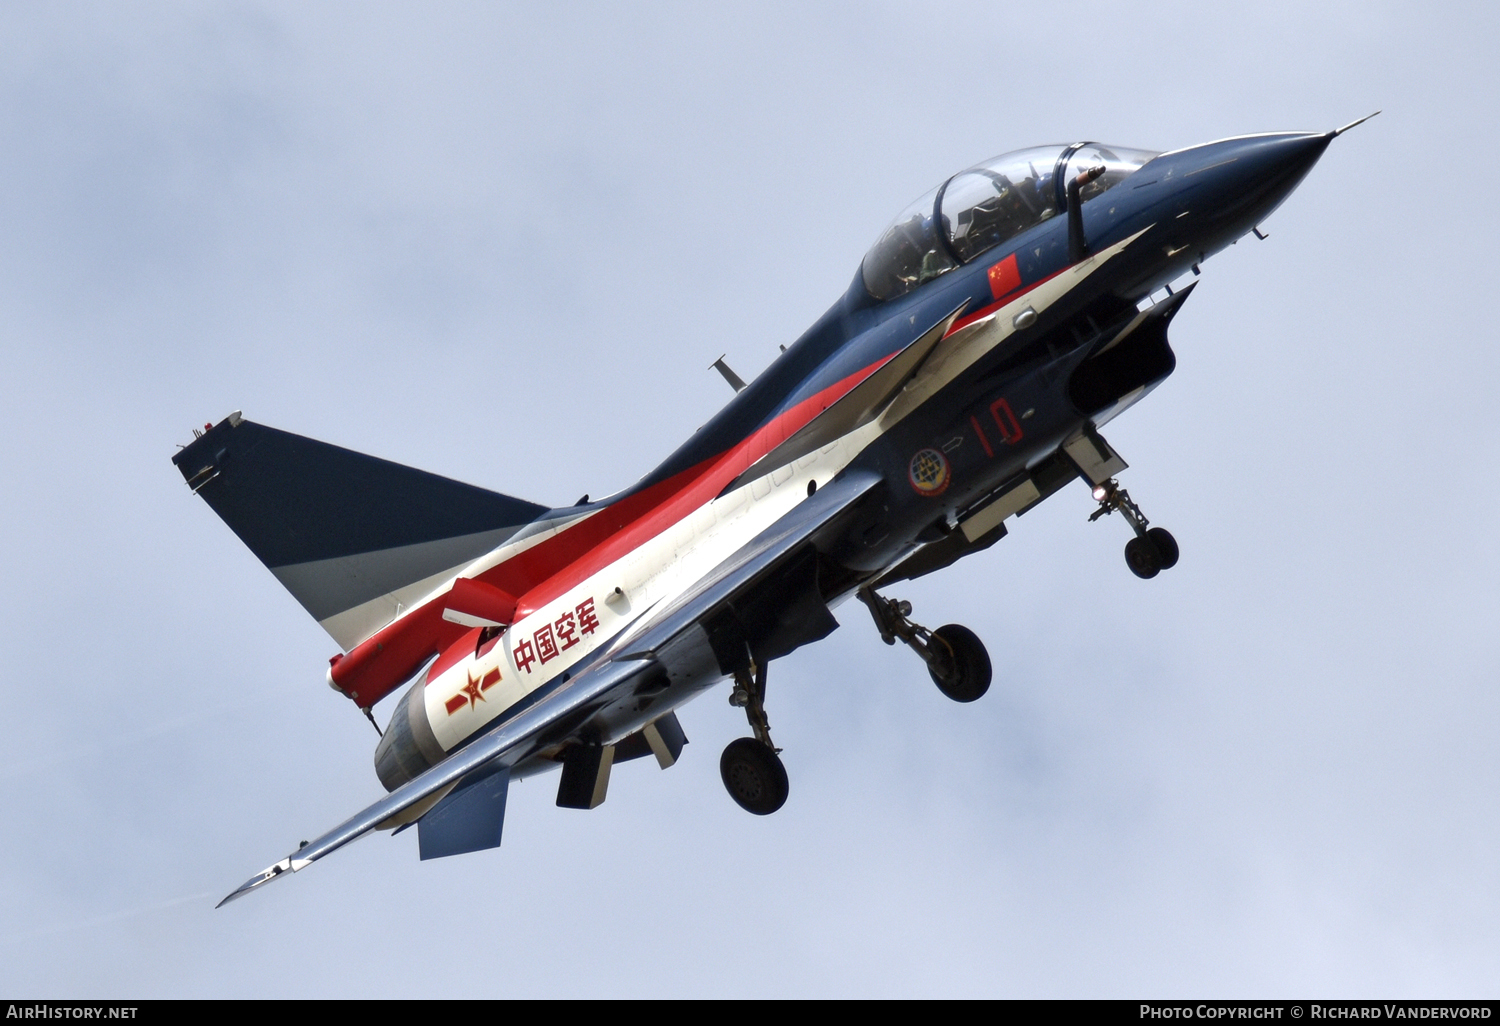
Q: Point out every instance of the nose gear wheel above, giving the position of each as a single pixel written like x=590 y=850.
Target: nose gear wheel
x=1153 y=549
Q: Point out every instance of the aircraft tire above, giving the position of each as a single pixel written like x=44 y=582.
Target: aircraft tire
x=754 y=776
x=1166 y=546
x=1143 y=558
x=970 y=676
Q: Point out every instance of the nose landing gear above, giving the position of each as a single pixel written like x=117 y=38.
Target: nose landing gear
x=955 y=657
x=1153 y=549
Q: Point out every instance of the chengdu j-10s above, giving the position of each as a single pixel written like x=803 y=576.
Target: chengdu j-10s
x=995 y=327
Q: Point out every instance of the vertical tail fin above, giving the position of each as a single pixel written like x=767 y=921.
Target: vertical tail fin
x=352 y=537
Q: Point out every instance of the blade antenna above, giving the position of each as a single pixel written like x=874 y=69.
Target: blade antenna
x=735 y=381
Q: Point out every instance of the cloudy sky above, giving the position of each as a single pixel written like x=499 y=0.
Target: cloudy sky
x=504 y=244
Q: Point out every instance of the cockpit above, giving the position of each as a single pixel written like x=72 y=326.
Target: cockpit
x=978 y=209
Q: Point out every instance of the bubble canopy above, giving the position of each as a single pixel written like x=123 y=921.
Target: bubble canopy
x=976 y=210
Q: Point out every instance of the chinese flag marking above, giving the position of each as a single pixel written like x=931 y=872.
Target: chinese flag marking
x=1005 y=277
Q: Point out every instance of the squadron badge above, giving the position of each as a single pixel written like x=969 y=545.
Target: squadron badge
x=929 y=472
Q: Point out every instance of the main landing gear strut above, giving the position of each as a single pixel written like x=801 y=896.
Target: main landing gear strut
x=1153 y=549
x=954 y=655
x=751 y=768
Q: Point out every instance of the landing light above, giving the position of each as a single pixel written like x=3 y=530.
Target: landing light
x=1101 y=492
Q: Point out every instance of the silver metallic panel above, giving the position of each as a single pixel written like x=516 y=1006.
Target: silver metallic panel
x=326 y=587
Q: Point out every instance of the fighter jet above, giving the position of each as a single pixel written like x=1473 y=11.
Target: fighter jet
x=1001 y=321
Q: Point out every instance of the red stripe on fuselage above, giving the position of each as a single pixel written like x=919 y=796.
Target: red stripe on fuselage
x=378 y=665
x=462 y=648
x=547 y=570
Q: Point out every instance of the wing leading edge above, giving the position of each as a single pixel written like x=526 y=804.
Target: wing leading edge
x=506 y=744
x=625 y=665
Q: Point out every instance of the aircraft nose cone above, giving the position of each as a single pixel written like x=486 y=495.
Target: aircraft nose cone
x=1271 y=168
x=1259 y=172
x=1221 y=190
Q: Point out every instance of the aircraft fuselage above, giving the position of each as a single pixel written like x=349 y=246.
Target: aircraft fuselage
x=1029 y=344
x=998 y=322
